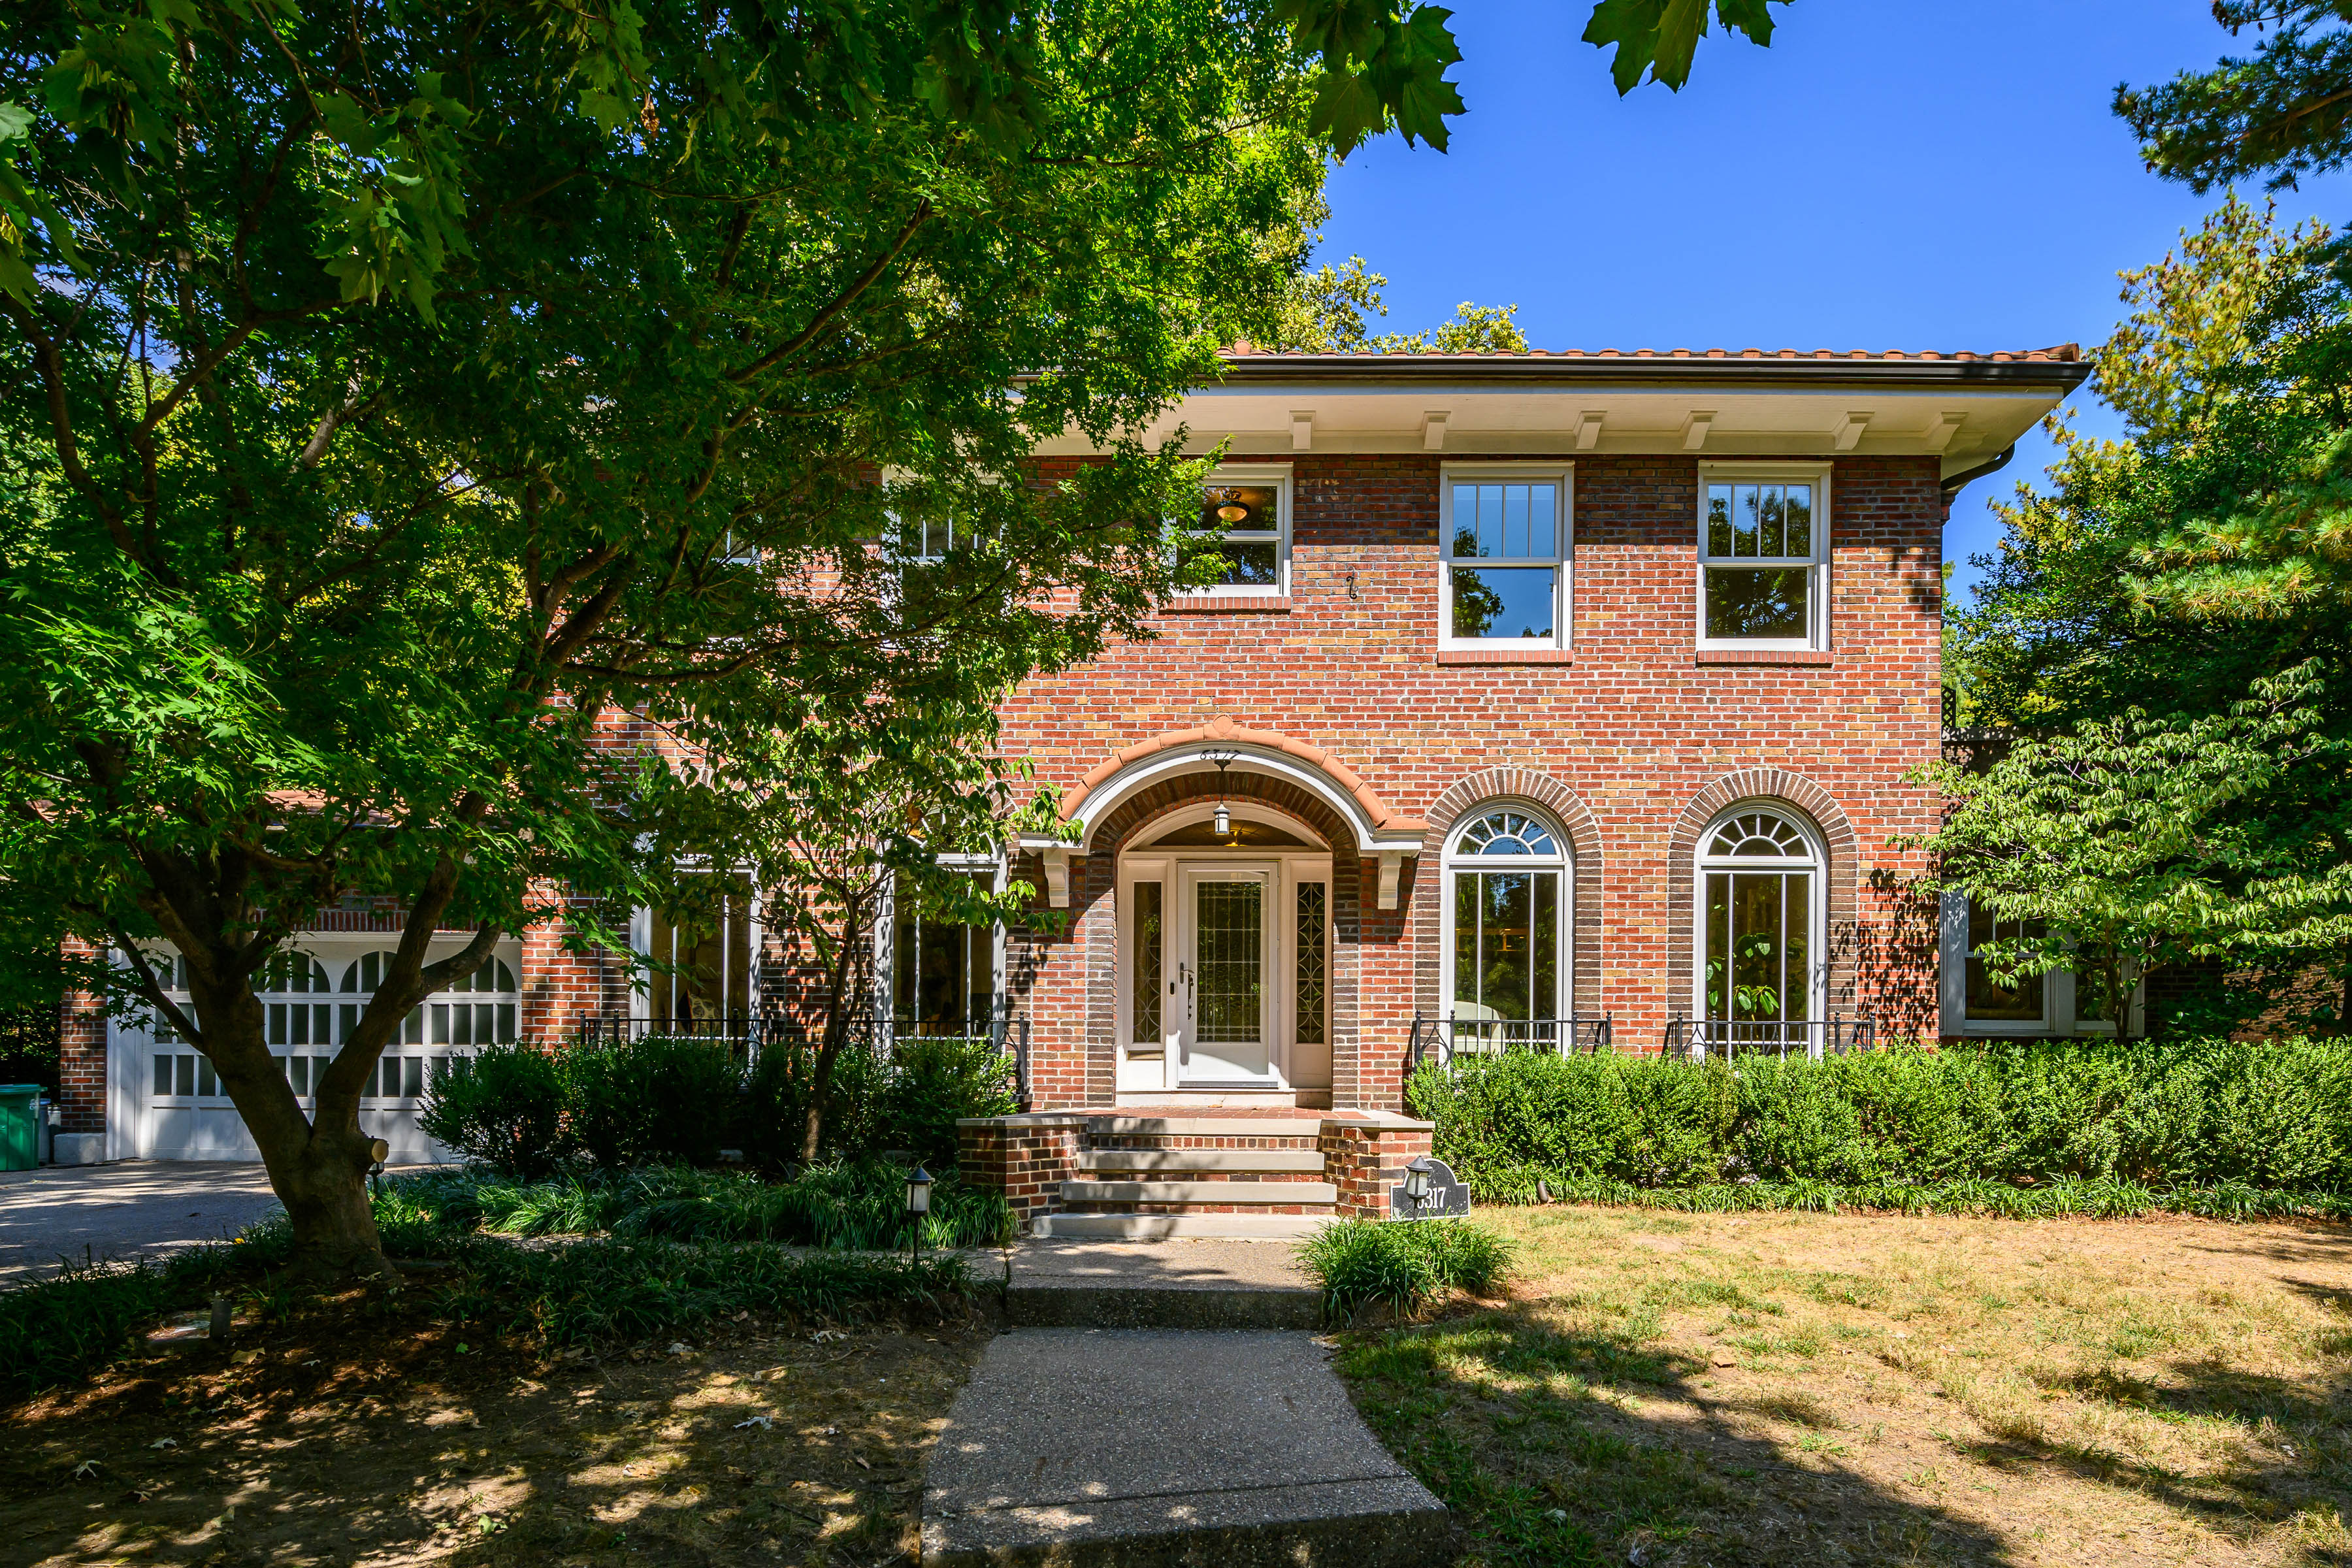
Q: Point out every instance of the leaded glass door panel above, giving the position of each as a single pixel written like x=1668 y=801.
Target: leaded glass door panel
x=1223 y=995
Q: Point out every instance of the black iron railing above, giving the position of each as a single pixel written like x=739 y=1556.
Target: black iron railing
x=1726 y=1039
x=1441 y=1040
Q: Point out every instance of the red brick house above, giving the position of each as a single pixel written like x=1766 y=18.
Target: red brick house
x=1547 y=698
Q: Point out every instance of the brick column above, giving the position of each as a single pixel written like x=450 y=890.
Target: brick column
x=1027 y=1158
x=1364 y=1157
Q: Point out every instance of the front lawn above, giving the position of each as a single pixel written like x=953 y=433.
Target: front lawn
x=361 y=1431
x=1707 y=1388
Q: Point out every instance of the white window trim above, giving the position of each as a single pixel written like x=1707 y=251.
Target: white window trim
x=1817 y=565
x=1454 y=859
x=1816 y=866
x=2060 y=988
x=886 y=931
x=1278 y=475
x=1563 y=608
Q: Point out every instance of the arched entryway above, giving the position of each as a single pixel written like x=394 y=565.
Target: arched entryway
x=1219 y=957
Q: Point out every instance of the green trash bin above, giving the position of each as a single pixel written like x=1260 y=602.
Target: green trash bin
x=20 y=1132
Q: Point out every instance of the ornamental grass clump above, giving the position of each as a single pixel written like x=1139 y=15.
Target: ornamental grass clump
x=1402 y=1264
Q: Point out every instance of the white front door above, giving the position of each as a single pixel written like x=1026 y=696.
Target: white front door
x=1225 y=950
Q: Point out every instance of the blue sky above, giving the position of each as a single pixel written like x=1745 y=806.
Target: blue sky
x=1890 y=173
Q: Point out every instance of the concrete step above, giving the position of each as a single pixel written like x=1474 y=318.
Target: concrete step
x=1164 y=1226
x=1103 y=1284
x=1258 y=1460
x=1285 y=1193
x=1177 y=1160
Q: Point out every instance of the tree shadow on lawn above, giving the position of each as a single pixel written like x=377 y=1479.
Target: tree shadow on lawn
x=2297 y=1454
x=1523 y=1428
x=352 y=1437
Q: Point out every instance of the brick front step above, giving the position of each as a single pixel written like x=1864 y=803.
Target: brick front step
x=1099 y=1128
x=1160 y=1226
x=1221 y=1192
x=1203 y=1161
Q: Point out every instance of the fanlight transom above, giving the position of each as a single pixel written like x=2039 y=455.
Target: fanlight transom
x=1760 y=836
x=1509 y=833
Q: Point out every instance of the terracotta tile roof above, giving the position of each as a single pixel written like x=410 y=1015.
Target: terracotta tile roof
x=2061 y=353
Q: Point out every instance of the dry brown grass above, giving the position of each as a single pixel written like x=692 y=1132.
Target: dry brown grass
x=421 y=1449
x=1719 y=1388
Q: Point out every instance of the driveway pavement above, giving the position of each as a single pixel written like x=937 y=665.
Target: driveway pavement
x=137 y=1208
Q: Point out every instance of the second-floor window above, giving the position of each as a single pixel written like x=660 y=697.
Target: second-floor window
x=1763 y=549
x=1503 y=558
x=1244 y=524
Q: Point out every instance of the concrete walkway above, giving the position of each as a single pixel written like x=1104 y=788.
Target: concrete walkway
x=1235 y=1450
x=1159 y=1285
x=137 y=1208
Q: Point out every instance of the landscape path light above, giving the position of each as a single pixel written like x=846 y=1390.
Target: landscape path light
x=919 y=1202
x=1416 y=1183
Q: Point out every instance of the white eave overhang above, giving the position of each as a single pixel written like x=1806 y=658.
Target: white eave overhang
x=1960 y=411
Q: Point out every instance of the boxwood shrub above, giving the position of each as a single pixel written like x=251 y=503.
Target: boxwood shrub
x=2169 y=1115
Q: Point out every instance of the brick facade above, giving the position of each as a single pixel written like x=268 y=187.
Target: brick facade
x=1631 y=742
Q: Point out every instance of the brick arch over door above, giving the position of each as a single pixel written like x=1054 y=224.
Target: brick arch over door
x=1133 y=821
x=1563 y=806
x=1806 y=799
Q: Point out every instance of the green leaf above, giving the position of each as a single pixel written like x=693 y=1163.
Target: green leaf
x=1661 y=36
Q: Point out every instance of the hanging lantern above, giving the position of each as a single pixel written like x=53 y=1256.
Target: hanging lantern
x=1224 y=820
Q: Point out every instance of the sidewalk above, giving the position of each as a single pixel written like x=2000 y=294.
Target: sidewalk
x=1105 y=1446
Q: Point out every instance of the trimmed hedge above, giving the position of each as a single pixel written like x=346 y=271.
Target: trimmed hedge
x=2157 y=1116
x=670 y=1101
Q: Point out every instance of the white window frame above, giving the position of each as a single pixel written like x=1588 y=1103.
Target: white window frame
x=1815 y=564
x=1278 y=475
x=2061 y=990
x=1816 y=864
x=997 y=870
x=1563 y=564
x=1455 y=859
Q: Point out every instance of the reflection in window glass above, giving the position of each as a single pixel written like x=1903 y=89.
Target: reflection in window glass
x=942 y=973
x=1518 y=527
x=1743 y=602
x=1988 y=1000
x=710 y=943
x=1503 y=603
x=1505 y=945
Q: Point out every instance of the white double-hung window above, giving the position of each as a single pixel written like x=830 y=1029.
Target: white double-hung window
x=1244 y=526
x=1504 y=557
x=1763 y=553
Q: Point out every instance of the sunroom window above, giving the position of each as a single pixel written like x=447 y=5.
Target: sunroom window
x=1504 y=566
x=942 y=973
x=1506 y=876
x=1760 y=877
x=1243 y=526
x=1763 y=540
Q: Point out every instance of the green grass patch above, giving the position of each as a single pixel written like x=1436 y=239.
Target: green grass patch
x=1401 y=1263
x=2099 y=1197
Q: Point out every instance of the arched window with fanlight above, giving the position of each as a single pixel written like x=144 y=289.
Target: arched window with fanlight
x=1760 y=875
x=1506 y=911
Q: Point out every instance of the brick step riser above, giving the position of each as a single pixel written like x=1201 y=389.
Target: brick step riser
x=1156 y=1141
x=1122 y=1173
x=1319 y=1210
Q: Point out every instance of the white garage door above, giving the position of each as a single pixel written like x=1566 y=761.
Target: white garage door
x=312 y=999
